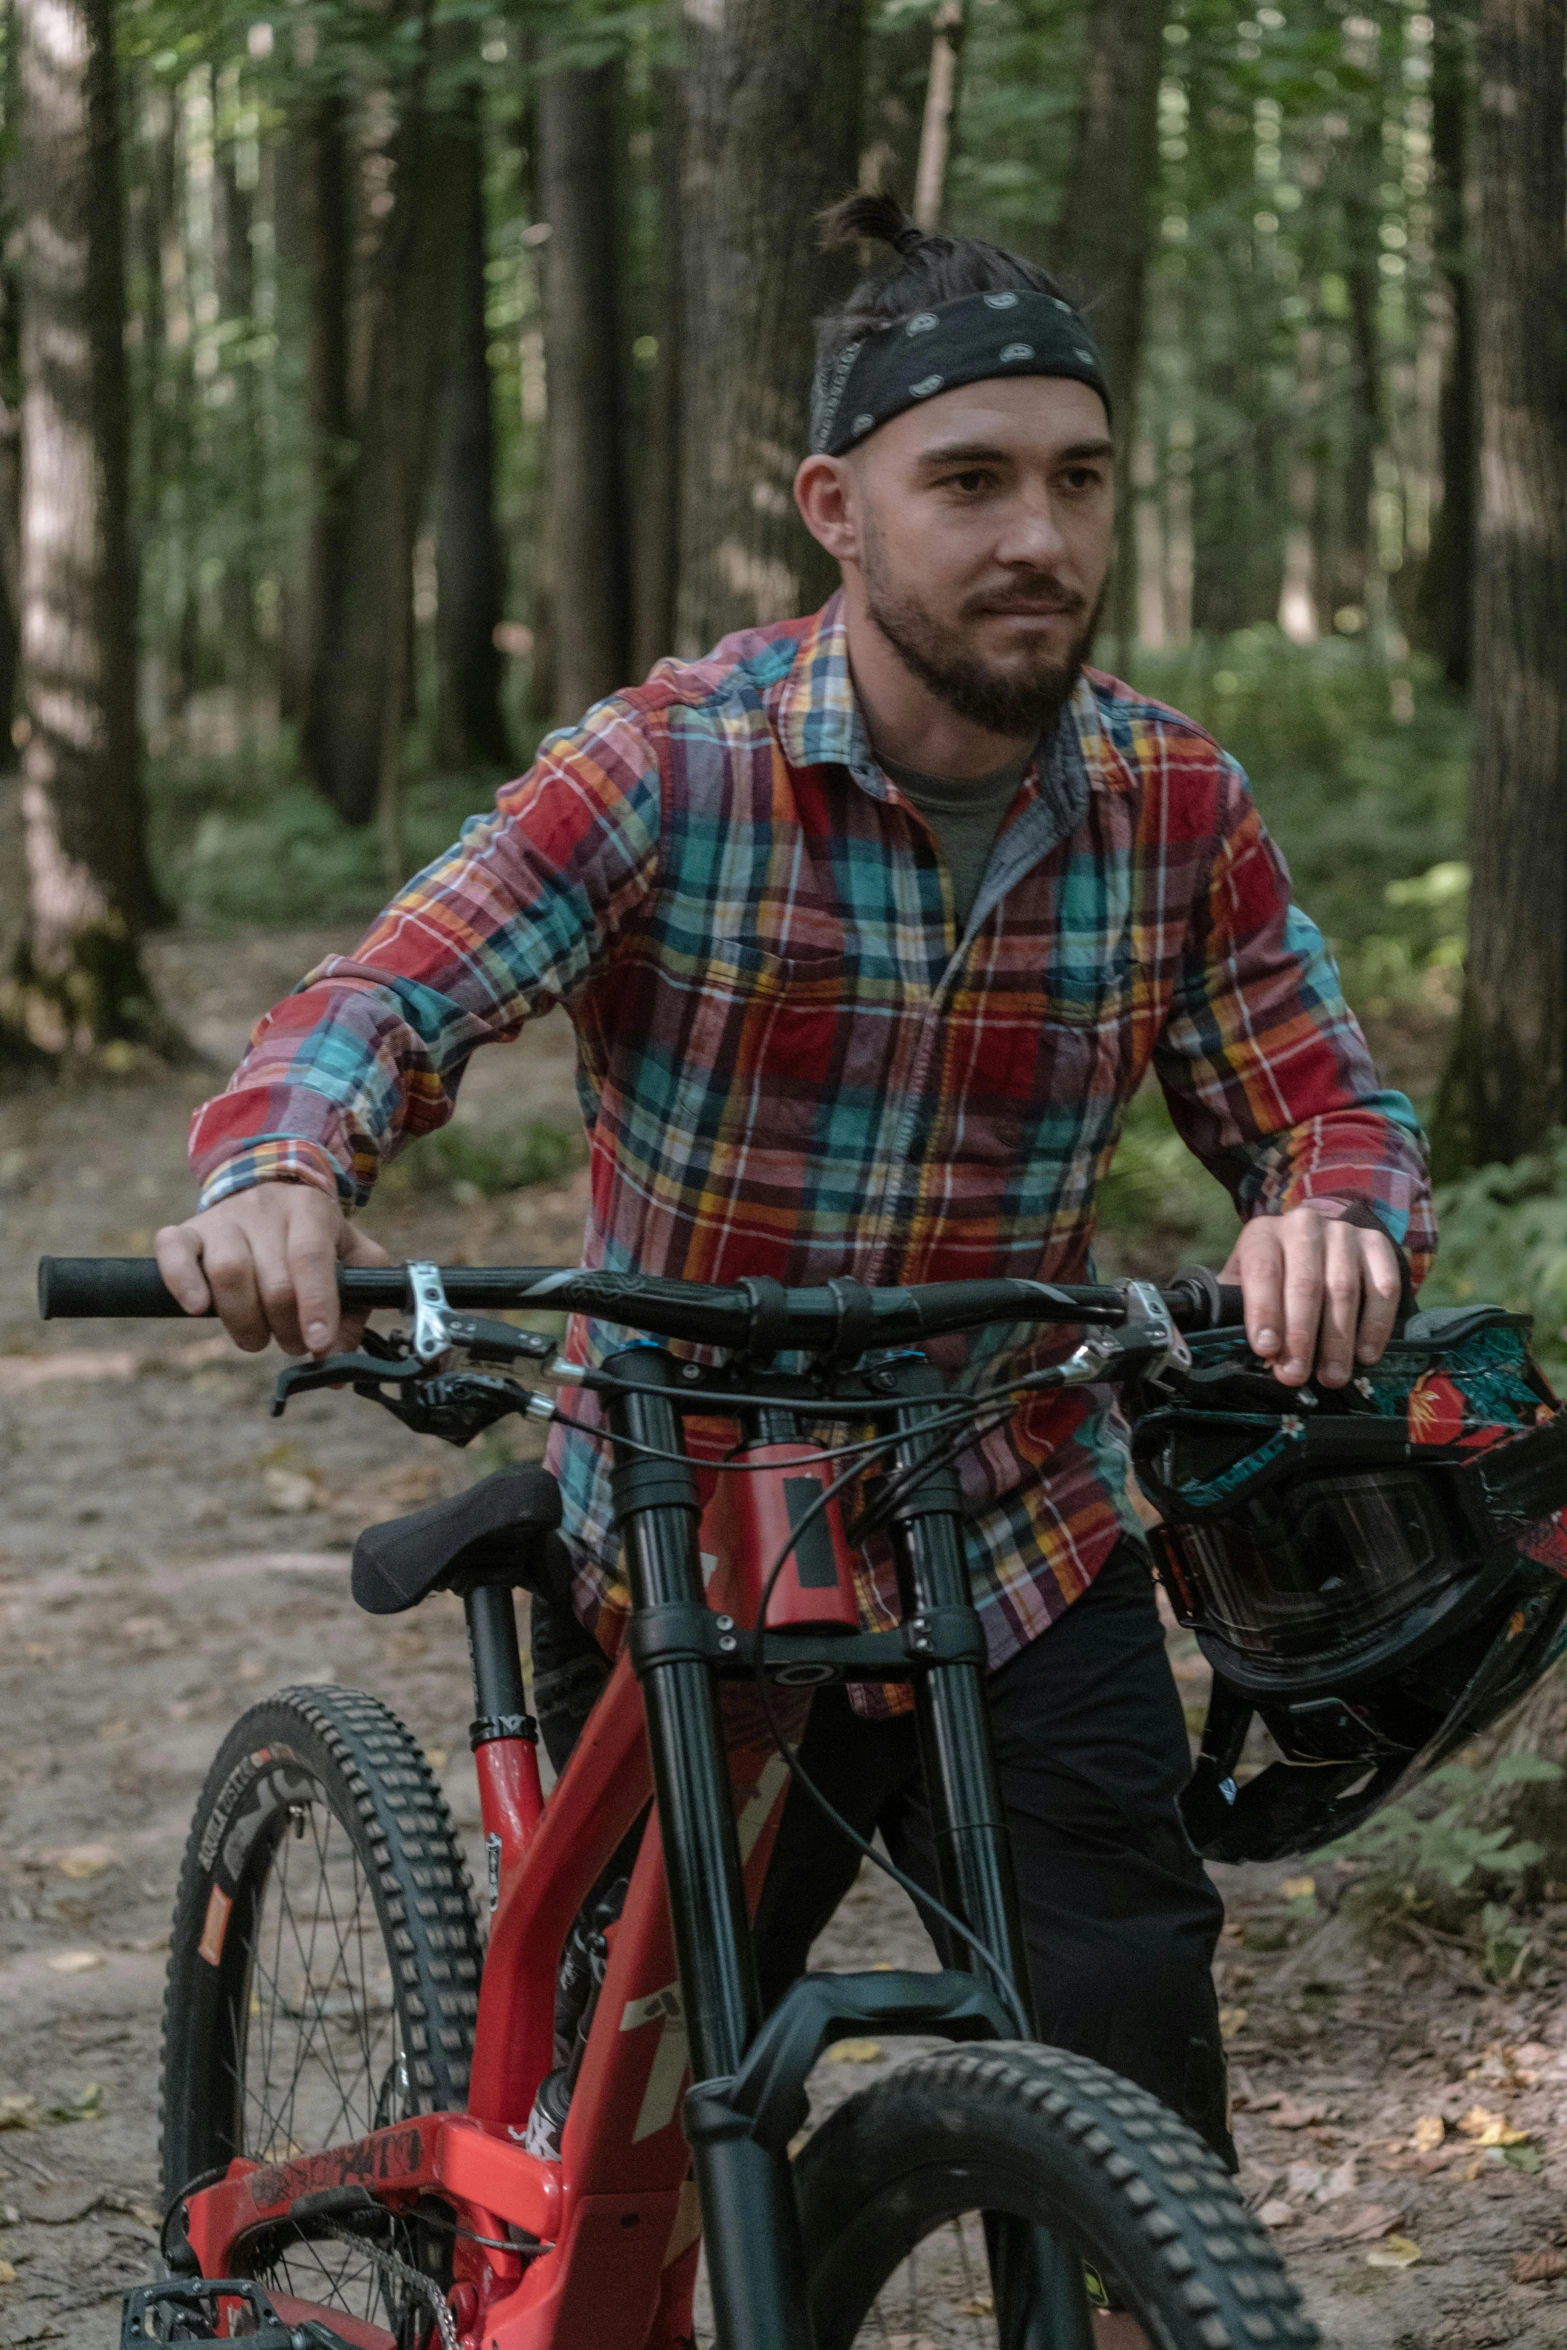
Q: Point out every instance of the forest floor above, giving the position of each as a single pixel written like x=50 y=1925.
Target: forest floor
x=168 y=1554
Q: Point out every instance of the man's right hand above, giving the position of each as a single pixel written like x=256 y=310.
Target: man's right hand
x=267 y=1260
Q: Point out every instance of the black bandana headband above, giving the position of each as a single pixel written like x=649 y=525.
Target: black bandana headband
x=962 y=342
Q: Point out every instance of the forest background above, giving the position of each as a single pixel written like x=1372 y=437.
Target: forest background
x=382 y=381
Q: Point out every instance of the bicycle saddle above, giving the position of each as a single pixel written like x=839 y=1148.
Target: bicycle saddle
x=501 y=1530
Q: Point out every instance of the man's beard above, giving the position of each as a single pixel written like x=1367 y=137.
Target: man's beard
x=1019 y=699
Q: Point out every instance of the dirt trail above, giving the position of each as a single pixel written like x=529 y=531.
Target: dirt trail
x=168 y=1553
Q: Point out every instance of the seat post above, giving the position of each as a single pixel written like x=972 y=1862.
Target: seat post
x=503 y=1734
x=498 y=1692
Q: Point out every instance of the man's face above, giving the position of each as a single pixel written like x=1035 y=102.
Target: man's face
x=983 y=528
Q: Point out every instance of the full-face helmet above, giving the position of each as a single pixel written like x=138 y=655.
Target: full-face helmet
x=1376 y=1572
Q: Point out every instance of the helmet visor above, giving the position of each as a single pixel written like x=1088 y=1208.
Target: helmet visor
x=1321 y=1566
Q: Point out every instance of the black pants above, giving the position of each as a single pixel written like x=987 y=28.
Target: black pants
x=1119 y=1915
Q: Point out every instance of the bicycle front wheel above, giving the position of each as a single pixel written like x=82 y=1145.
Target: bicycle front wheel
x=323 y=1982
x=895 y=2185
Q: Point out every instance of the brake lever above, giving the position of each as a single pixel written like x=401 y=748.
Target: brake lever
x=366 y=1373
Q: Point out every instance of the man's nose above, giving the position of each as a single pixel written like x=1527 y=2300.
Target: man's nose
x=1033 y=535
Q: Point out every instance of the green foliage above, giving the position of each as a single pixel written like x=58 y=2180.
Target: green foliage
x=1504 y=1242
x=234 y=844
x=480 y=1162
x=1416 y=1855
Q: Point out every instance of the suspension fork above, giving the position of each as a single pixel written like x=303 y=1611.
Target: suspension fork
x=756 y=2266
x=1038 y=2279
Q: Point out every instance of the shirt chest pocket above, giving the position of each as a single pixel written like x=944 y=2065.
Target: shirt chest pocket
x=762 y=1037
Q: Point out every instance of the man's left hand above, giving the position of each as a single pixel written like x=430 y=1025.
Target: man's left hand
x=1317 y=1291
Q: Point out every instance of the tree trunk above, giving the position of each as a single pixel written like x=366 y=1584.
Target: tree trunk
x=771 y=140
x=1100 y=243
x=941 y=103
x=658 y=480
x=1507 y=1084
x=79 y=980
x=1361 y=222
x=317 y=205
x=470 y=584
x=1447 y=588
x=358 y=685
x=233 y=212
x=589 y=522
x=10 y=504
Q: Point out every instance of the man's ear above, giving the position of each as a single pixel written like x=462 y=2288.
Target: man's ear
x=826 y=493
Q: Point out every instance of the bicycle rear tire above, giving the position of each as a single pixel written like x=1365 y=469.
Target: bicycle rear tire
x=324 y=1921
x=1046 y=2137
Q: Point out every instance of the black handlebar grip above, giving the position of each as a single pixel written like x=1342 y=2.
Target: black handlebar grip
x=1232 y=1307
x=75 y=1288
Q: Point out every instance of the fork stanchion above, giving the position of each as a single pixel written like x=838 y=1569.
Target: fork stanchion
x=756 y=2264
x=1041 y=2303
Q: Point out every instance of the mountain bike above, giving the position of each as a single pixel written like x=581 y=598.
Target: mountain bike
x=382 y=2129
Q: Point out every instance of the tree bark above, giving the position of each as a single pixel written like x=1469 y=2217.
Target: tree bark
x=941 y=102
x=1506 y=1086
x=657 y=492
x=470 y=582
x=1447 y=588
x=358 y=686
x=771 y=139
x=233 y=209
x=79 y=980
x=1100 y=243
x=316 y=207
x=589 y=511
x=10 y=504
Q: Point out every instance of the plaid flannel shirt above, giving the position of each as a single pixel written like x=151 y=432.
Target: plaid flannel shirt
x=791 y=1063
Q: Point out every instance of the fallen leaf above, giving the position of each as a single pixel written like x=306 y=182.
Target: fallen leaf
x=18 y=2111
x=1303 y=2178
x=1276 y=2213
x=1357 y=2227
x=75 y=1962
x=1537 y=2268
x=1298 y=1888
x=1490 y=2129
x=1526 y=2158
x=86 y=2108
x=149 y=2217
x=436 y=1757
x=854 y=2052
x=1430 y=2130
x=982 y=2305
x=7 y=2273
x=1231 y=2020
x=84 y=1860
x=1290 y=2116
x=1339 y=2182
x=1395 y=2252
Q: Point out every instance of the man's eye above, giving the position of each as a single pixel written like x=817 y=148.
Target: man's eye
x=969 y=483
x=1083 y=477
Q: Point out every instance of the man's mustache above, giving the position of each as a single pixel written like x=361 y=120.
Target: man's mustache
x=1040 y=595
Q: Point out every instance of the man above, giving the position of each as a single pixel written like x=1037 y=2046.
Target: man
x=870 y=925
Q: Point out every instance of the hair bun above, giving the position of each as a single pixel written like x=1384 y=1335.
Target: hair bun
x=872 y=215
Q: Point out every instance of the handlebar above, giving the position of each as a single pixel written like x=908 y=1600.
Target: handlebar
x=847 y=1317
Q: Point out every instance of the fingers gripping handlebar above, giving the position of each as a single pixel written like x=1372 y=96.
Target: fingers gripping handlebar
x=812 y=1320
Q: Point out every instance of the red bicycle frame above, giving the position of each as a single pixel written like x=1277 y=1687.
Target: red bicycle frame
x=600 y=2248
